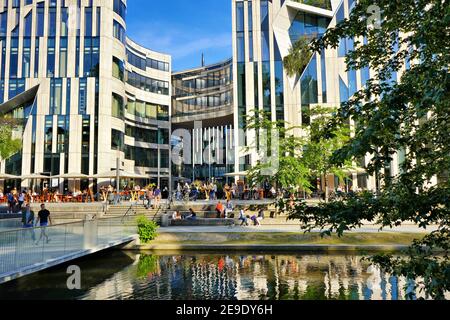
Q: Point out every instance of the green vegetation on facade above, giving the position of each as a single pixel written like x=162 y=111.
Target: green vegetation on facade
x=8 y=145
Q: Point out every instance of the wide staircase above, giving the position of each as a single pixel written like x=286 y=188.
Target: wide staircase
x=128 y=210
x=203 y=212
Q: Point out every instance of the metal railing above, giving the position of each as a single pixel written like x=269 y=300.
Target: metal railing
x=25 y=248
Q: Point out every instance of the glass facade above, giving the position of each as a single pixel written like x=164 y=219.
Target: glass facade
x=58 y=44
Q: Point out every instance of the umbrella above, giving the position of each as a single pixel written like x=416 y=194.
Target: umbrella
x=73 y=176
x=123 y=174
x=237 y=174
x=354 y=170
x=34 y=176
x=5 y=176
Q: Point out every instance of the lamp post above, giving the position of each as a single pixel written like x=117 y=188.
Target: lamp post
x=118 y=174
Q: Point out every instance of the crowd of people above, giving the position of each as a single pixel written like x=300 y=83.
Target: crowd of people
x=225 y=211
x=215 y=191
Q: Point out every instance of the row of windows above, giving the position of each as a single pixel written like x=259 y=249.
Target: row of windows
x=147 y=84
x=148 y=110
x=91 y=57
x=144 y=63
x=211 y=101
x=160 y=136
x=52 y=21
x=147 y=158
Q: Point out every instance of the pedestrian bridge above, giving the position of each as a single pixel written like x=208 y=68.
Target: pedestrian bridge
x=24 y=251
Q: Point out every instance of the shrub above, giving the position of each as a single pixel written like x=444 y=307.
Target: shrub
x=147 y=229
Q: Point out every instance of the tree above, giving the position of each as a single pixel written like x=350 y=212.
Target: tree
x=291 y=172
x=8 y=145
x=301 y=158
x=321 y=144
x=411 y=115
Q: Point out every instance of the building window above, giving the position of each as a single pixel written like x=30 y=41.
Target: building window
x=52 y=22
x=119 y=32
x=164 y=159
x=50 y=57
x=118 y=69
x=63 y=134
x=48 y=139
x=63 y=57
x=88 y=22
x=266 y=80
x=40 y=19
x=26 y=57
x=117 y=106
x=117 y=140
x=56 y=96
x=82 y=97
x=120 y=8
x=14 y=63
x=91 y=56
x=64 y=22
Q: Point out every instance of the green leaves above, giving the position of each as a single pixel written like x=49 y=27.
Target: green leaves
x=411 y=115
x=298 y=58
x=8 y=145
x=147 y=229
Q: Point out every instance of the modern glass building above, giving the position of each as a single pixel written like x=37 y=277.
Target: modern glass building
x=202 y=107
x=88 y=94
x=263 y=33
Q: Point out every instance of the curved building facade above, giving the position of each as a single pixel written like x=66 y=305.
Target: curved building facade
x=91 y=98
x=202 y=116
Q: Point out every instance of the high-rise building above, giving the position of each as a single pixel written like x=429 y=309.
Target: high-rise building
x=263 y=33
x=90 y=97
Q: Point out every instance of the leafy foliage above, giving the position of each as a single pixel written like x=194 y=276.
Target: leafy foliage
x=8 y=145
x=147 y=229
x=292 y=172
x=301 y=157
x=321 y=143
x=412 y=116
x=298 y=58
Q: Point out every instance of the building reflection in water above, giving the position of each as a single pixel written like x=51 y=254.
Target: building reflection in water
x=243 y=277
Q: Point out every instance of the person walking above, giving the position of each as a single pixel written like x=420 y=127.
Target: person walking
x=43 y=220
x=157 y=195
x=11 y=202
x=28 y=220
x=21 y=199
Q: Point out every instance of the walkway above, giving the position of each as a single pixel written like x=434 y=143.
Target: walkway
x=20 y=254
x=369 y=228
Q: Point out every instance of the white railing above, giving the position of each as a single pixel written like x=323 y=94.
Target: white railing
x=26 y=248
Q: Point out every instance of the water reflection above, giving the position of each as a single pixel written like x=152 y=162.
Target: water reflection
x=227 y=277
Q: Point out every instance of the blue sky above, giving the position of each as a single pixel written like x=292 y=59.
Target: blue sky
x=183 y=29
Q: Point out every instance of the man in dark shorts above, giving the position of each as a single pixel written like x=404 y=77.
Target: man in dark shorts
x=11 y=202
x=43 y=221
